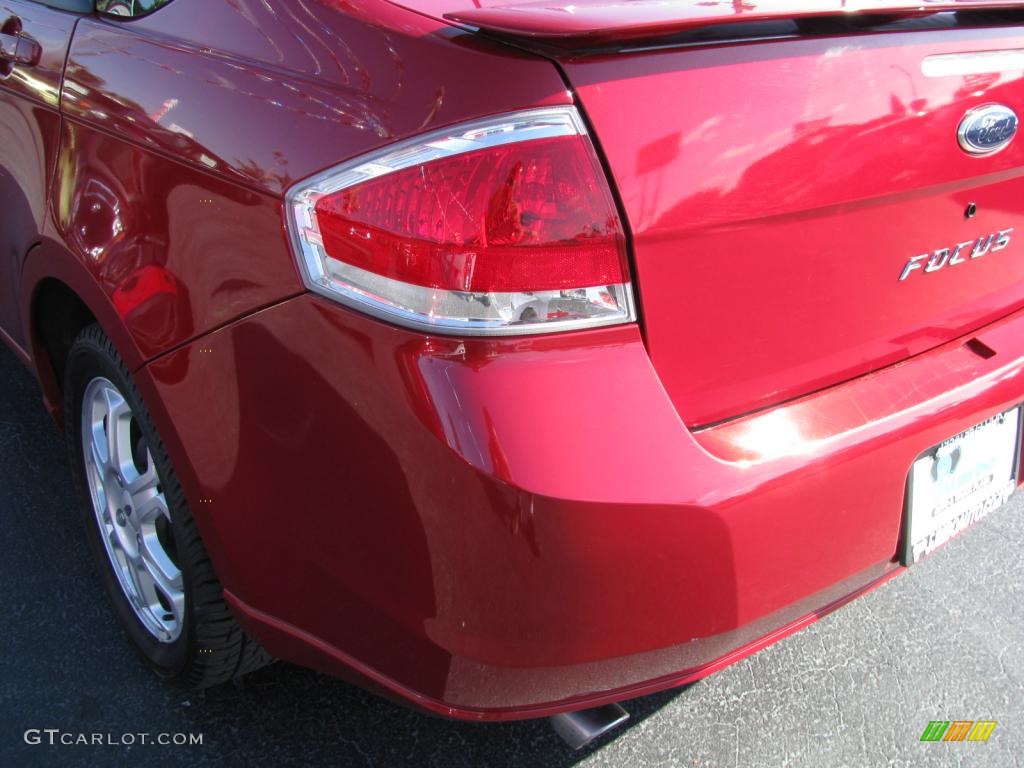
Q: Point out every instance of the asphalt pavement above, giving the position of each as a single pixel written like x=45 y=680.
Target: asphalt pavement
x=943 y=641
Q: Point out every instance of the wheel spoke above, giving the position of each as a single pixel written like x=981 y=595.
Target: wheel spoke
x=148 y=506
x=117 y=553
x=98 y=453
x=119 y=419
x=94 y=476
x=165 y=574
x=136 y=483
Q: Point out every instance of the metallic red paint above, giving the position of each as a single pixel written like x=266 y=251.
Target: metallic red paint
x=29 y=134
x=796 y=206
x=527 y=543
x=312 y=652
x=210 y=218
x=501 y=528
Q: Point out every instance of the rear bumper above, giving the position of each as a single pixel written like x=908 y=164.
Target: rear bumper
x=499 y=529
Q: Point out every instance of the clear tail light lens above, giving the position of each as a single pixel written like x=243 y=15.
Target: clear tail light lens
x=501 y=226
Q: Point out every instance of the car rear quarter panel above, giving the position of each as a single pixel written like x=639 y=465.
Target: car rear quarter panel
x=185 y=128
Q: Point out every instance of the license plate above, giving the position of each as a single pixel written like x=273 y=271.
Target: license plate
x=958 y=482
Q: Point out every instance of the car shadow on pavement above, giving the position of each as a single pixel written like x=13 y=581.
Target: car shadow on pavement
x=284 y=699
x=66 y=664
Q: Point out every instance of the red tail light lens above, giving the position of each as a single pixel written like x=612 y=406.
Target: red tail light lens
x=502 y=226
x=519 y=217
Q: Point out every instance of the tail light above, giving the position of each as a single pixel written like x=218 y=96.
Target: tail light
x=501 y=226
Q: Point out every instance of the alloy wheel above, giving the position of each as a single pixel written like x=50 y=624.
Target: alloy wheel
x=131 y=511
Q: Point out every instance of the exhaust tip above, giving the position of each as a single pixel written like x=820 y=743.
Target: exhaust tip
x=577 y=729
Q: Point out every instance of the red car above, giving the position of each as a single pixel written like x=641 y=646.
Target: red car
x=510 y=358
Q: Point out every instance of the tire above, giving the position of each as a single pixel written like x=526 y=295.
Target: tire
x=152 y=561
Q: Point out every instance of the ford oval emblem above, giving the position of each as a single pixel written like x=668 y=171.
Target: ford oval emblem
x=987 y=129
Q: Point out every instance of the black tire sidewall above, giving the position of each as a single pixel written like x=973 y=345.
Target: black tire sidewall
x=90 y=357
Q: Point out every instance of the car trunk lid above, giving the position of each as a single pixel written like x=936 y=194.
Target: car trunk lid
x=777 y=192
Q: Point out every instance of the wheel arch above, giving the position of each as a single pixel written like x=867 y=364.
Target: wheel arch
x=61 y=298
x=52 y=275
